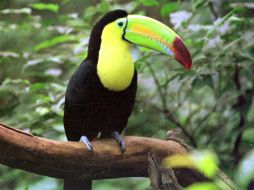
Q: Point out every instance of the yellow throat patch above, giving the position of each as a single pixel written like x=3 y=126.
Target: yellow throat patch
x=115 y=66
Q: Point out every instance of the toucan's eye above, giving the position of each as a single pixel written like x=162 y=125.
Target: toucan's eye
x=120 y=23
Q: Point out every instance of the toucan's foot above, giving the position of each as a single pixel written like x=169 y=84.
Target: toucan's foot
x=119 y=140
x=85 y=140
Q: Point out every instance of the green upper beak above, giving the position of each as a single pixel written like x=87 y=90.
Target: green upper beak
x=150 y=33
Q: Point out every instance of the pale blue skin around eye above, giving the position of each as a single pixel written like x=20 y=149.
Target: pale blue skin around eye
x=121 y=20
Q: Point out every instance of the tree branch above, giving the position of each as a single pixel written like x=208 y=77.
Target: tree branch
x=242 y=105
x=71 y=159
x=161 y=178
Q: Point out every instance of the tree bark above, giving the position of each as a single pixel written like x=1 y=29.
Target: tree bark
x=71 y=160
x=161 y=178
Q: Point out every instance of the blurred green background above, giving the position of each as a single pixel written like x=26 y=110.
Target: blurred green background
x=43 y=42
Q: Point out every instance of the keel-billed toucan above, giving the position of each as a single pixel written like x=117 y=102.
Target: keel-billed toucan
x=101 y=93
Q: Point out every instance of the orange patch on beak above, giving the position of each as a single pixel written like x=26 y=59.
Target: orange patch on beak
x=151 y=34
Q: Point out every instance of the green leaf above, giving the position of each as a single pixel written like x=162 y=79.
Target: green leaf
x=42 y=110
x=232 y=43
x=104 y=6
x=165 y=83
x=89 y=12
x=226 y=17
x=198 y=3
x=65 y=1
x=9 y=54
x=15 y=81
x=242 y=7
x=45 y=6
x=220 y=23
x=139 y=64
x=202 y=186
x=55 y=41
x=168 y=8
x=245 y=171
x=16 y=11
x=198 y=83
x=37 y=86
x=204 y=161
x=189 y=73
x=150 y=2
x=208 y=80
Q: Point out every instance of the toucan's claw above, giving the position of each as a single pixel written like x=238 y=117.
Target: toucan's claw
x=119 y=140
x=85 y=140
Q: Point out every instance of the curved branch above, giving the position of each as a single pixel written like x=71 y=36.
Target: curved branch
x=72 y=160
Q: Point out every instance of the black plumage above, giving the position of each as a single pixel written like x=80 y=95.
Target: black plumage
x=90 y=108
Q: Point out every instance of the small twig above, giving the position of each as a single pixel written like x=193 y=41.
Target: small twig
x=179 y=101
x=193 y=113
x=168 y=115
x=161 y=93
x=204 y=119
x=177 y=136
x=215 y=15
x=240 y=102
x=214 y=133
x=171 y=118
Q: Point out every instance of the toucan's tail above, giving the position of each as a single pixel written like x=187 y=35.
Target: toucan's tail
x=77 y=185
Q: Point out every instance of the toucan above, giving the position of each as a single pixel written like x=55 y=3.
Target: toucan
x=101 y=93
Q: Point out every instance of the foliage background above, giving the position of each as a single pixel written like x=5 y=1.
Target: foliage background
x=43 y=42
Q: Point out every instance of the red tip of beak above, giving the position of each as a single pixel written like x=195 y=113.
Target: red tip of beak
x=181 y=53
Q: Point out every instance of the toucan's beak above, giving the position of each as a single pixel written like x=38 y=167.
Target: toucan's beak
x=150 y=33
